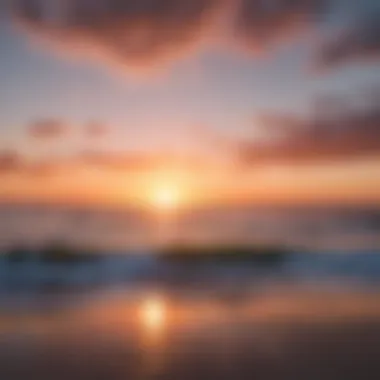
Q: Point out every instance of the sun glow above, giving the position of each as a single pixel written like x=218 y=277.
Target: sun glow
x=166 y=197
x=153 y=313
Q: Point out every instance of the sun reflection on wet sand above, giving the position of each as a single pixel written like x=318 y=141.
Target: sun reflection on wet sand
x=153 y=313
x=153 y=318
x=151 y=335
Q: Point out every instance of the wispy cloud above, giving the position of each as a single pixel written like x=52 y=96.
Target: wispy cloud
x=136 y=33
x=10 y=161
x=131 y=33
x=121 y=161
x=359 y=41
x=15 y=163
x=48 y=129
x=344 y=132
x=95 y=129
x=262 y=24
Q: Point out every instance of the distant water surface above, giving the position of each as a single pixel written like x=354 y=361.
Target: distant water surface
x=312 y=228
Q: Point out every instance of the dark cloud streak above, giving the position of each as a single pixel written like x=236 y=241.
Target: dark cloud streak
x=129 y=32
x=348 y=132
x=356 y=43
x=10 y=162
x=139 y=33
x=48 y=129
x=261 y=24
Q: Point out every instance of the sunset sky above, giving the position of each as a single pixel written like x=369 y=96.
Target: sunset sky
x=119 y=102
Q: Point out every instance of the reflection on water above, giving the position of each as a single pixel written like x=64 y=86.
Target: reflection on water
x=281 y=333
x=153 y=313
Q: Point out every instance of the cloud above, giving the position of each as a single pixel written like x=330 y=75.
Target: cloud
x=117 y=161
x=54 y=128
x=343 y=133
x=261 y=24
x=131 y=33
x=50 y=167
x=10 y=162
x=134 y=162
x=144 y=33
x=357 y=42
x=47 y=129
x=96 y=129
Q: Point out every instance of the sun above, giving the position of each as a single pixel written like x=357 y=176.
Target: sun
x=166 y=197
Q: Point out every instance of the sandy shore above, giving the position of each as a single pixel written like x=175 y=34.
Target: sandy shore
x=309 y=336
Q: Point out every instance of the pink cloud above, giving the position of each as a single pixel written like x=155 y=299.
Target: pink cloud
x=343 y=133
x=10 y=161
x=48 y=129
x=96 y=129
x=141 y=34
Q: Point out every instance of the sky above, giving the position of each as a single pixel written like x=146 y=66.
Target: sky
x=128 y=101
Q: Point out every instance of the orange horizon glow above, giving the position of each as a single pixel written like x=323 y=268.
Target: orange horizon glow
x=166 y=197
x=166 y=191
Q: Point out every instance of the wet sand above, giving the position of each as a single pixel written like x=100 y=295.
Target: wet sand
x=149 y=336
